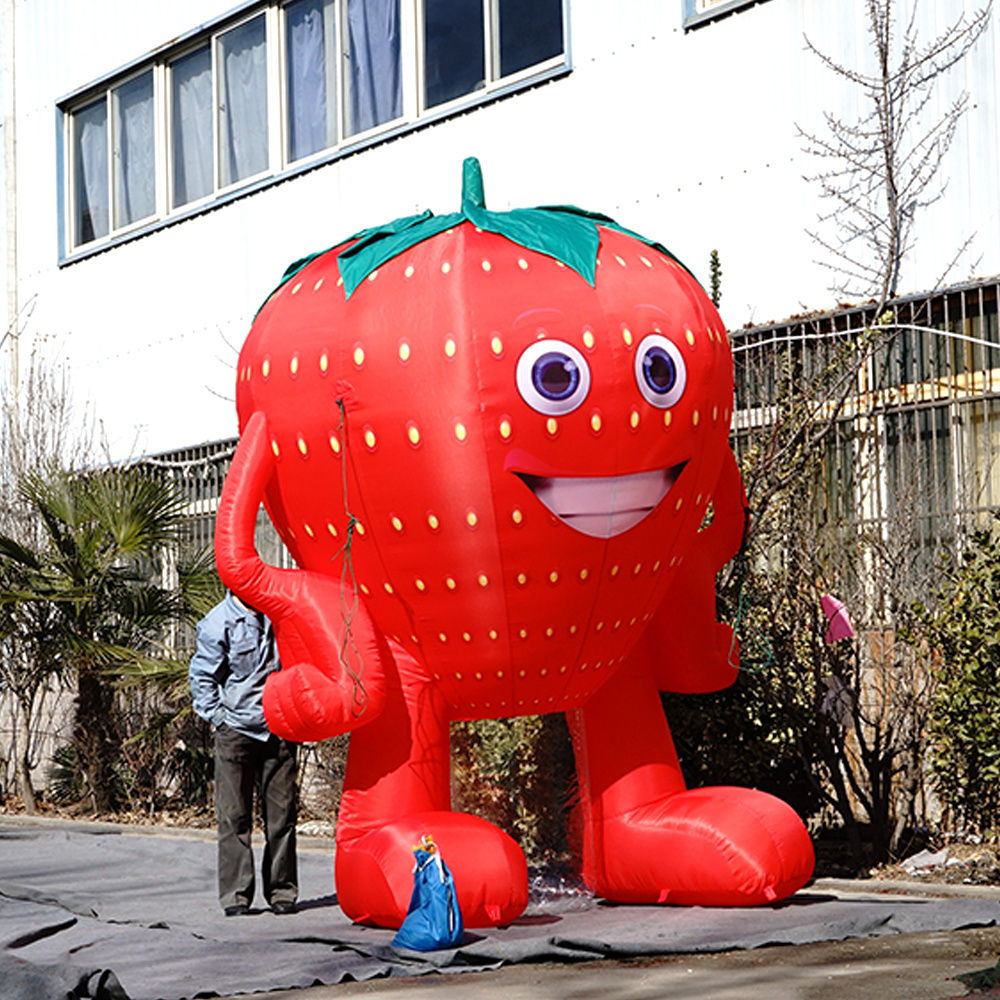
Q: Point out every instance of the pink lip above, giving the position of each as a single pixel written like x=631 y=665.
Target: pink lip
x=602 y=506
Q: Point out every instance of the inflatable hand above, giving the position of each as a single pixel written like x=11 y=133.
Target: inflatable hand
x=333 y=674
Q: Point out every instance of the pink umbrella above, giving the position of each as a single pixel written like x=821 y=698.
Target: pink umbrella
x=836 y=614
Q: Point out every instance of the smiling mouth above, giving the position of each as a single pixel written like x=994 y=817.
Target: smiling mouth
x=604 y=506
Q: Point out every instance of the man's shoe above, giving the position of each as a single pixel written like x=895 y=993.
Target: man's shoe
x=283 y=907
x=239 y=910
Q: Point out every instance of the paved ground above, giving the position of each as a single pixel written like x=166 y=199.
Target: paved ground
x=920 y=966
x=901 y=967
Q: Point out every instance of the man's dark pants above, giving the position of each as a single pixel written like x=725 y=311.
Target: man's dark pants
x=242 y=762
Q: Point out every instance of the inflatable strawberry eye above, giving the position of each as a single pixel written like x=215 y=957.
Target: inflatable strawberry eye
x=552 y=377
x=660 y=371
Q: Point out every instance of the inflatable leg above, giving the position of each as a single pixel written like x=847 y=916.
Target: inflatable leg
x=325 y=686
x=395 y=791
x=648 y=839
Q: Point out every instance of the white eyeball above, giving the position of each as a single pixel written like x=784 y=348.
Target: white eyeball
x=552 y=377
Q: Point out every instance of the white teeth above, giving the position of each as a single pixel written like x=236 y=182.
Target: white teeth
x=602 y=507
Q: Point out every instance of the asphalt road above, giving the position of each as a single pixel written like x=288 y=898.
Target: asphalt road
x=897 y=967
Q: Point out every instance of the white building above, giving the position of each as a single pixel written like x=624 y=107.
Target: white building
x=165 y=162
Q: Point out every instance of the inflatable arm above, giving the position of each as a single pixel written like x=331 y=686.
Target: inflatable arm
x=690 y=650
x=333 y=670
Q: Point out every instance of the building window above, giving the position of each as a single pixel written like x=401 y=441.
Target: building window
x=698 y=12
x=119 y=159
x=281 y=85
x=468 y=44
x=311 y=77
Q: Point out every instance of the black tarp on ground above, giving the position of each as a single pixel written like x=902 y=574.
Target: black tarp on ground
x=92 y=907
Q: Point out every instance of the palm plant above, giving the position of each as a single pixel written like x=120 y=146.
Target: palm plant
x=100 y=573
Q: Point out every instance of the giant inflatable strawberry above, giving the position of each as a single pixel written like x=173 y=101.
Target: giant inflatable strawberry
x=495 y=444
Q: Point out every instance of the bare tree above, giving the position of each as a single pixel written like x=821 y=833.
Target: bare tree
x=39 y=427
x=883 y=169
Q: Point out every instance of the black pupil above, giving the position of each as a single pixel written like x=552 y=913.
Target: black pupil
x=555 y=376
x=659 y=370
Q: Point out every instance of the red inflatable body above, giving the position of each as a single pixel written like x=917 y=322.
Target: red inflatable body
x=496 y=445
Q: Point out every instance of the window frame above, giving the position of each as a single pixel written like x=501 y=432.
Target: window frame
x=711 y=10
x=280 y=165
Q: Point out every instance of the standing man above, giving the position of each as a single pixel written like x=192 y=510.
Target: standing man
x=236 y=651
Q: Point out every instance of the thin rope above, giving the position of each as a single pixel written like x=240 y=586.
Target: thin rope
x=348 y=581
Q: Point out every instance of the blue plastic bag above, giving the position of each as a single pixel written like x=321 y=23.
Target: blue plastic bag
x=434 y=919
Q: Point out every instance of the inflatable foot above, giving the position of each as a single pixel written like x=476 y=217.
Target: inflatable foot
x=720 y=846
x=374 y=872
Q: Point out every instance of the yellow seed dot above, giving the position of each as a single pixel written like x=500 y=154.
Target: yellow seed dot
x=483 y=580
x=553 y=577
x=458 y=677
x=667 y=417
x=293 y=365
x=689 y=337
x=318 y=285
x=265 y=368
x=627 y=336
x=715 y=414
x=618 y=624
x=633 y=419
x=523 y=633
x=460 y=432
x=324 y=362
x=335 y=444
x=444 y=638
x=493 y=634
x=479 y=676
x=615 y=569
x=467 y=637
x=595 y=422
x=599 y=626
x=303 y=447
x=388 y=587
x=505 y=429
x=275 y=448
x=471 y=519
x=487 y=266
x=445 y=267
x=449 y=582
x=638 y=569
x=408 y=273
x=517 y=515
x=370 y=438
x=496 y=345
x=522 y=263
x=646 y=261
x=588 y=339
x=522 y=579
x=549 y=632
x=331 y=529
x=396 y=523
x=679 y=504
x=365 y=590
x=543 y=672
x=584 y=573
x=295 y=289
x=432 y=522
x=697 y=500
x=404 y=351
x=413 y=433
x=695 y=417
x=499 y=675
x=309 y=530
x=373 y=275
x=656 y=566
x=359 y=528
x=419 y=584
x=552 y=426
x=572 y=630
x=359 y=356
x=620 y=261
x=450 y=347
